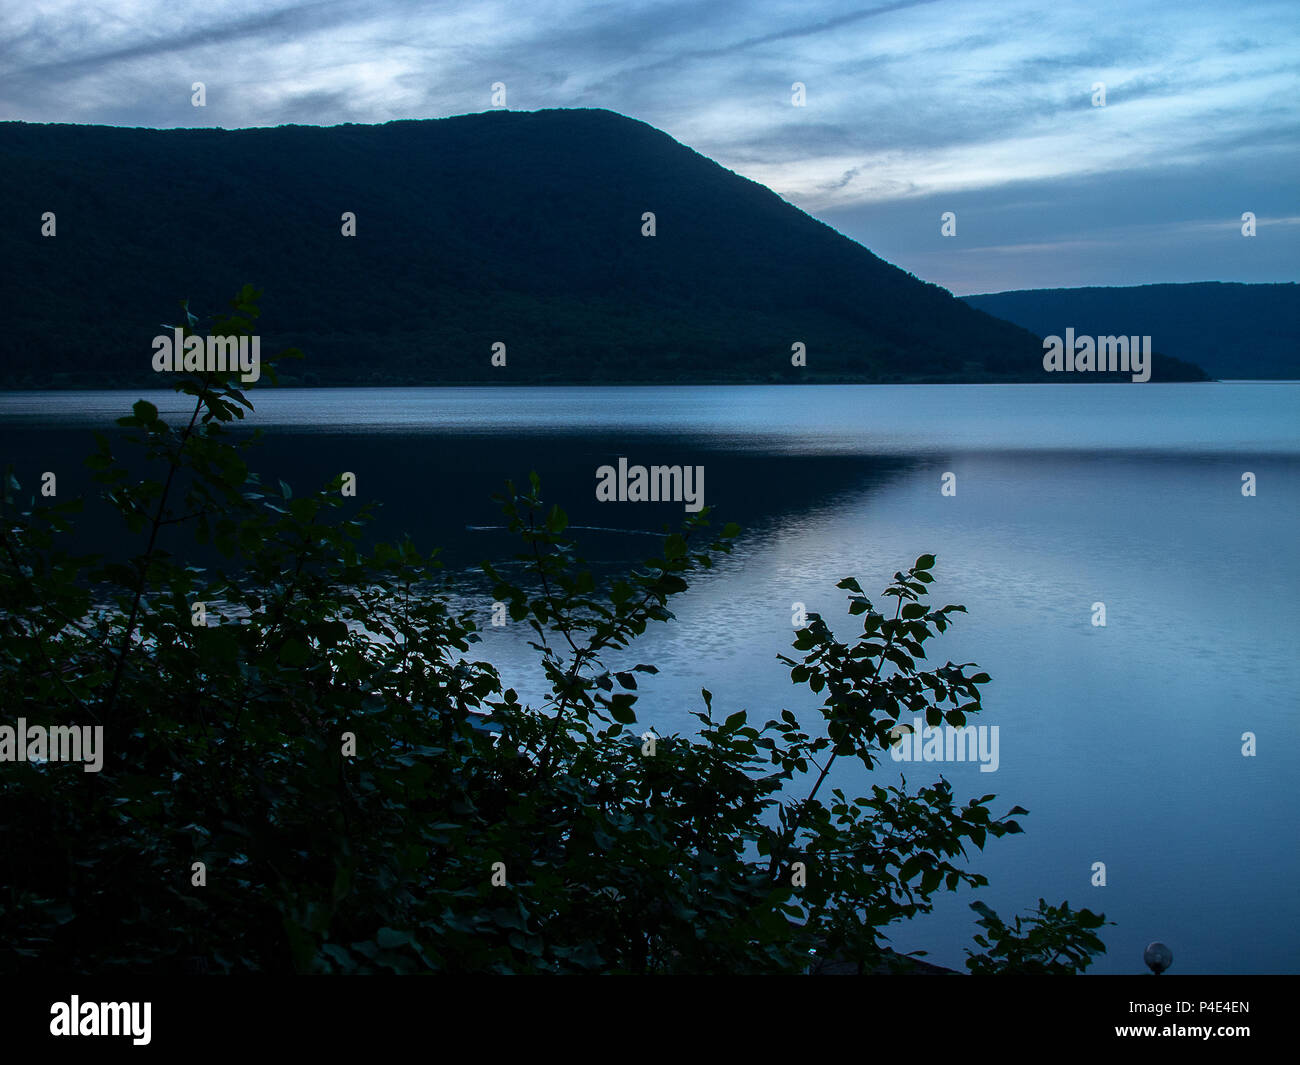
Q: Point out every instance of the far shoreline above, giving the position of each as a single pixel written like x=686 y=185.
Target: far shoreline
x=305 y=386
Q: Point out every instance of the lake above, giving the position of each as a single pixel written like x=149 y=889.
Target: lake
x=1124 y=741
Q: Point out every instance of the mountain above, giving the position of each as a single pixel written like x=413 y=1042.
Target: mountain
x=1231 y=330
x=523 y=228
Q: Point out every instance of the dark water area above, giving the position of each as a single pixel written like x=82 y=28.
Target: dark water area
x=1123 y=741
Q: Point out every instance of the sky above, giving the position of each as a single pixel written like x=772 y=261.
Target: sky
x=988 y=109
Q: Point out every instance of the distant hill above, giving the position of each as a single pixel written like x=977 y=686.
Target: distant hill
x=1230 y=330
x=518 y=227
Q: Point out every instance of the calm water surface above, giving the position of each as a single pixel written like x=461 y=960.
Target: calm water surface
x=1124 y=742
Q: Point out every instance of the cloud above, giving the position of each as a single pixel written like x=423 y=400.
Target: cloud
x=908 y=102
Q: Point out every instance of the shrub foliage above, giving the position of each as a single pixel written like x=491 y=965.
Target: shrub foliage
x=364 y=797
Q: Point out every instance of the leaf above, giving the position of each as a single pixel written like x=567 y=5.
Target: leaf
x=61 y=912
x=294 y=653
x=391 y=938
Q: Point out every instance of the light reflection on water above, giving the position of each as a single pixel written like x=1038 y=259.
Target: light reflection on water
x=1124 y=742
